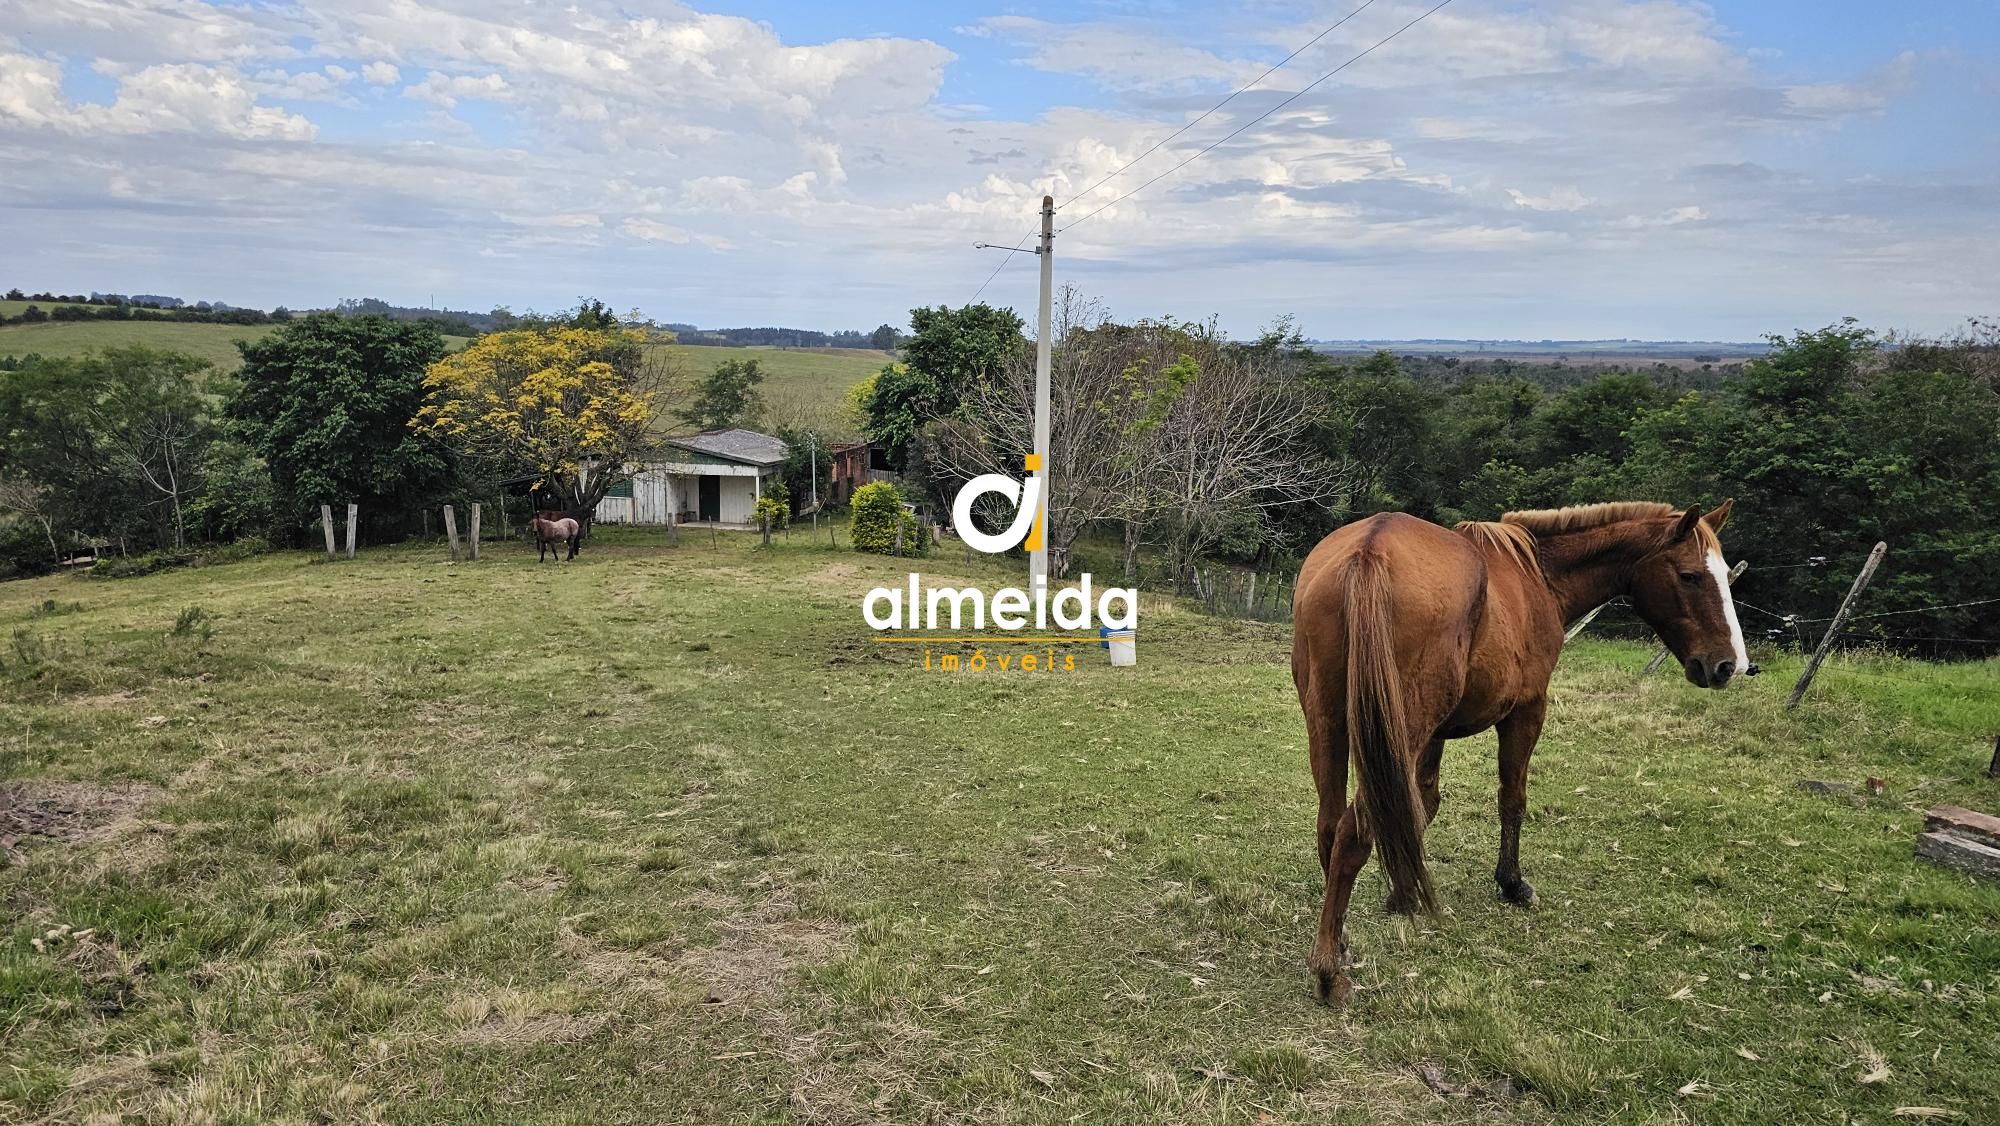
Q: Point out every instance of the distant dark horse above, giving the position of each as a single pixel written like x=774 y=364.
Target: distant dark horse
x=549 y=527
x=1406 y=634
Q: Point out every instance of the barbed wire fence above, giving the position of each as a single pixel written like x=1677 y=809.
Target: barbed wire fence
x=1268 y=596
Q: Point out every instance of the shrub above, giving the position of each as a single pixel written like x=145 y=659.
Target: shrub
x=24 y=551
x=878 y=513
x=775 y=505
x=131 y=567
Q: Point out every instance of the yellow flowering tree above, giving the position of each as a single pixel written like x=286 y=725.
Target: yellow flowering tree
x=574 y=404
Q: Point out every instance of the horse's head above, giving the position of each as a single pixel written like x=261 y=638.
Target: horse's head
x=1681 y=589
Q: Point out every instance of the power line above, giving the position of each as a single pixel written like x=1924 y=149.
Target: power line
x=1211 y=110
x=1003 y=264
x=1281 y=105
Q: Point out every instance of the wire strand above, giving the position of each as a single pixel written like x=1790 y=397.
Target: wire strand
x=1001 y=266
x=1918 y=610
x=1281 y=105
x=1206 y=114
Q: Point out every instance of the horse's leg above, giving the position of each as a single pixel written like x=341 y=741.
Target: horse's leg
x=1427 y=778
x=1329 y=956
x=1518 y=733
x=1326 y=742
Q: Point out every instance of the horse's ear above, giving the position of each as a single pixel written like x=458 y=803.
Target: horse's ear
x=1685 y=527
x=1720 y=516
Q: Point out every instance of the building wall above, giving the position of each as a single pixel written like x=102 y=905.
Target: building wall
x=664 y=491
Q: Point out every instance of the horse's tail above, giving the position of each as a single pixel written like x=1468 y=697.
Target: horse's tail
x=1378 y=735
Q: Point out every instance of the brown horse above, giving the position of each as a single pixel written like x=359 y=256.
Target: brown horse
x=1406 y=635
x=550 y=527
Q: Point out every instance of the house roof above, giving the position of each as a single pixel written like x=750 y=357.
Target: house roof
x=735 y=444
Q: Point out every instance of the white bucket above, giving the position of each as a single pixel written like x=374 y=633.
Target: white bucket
x=1124 y=645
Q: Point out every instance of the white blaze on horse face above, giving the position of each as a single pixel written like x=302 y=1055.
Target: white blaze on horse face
x=1720 y=571
x=1027 y=496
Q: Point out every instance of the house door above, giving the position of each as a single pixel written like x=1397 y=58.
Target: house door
x=710 y=498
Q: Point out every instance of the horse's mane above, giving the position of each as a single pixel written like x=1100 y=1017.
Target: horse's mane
x=1503 y=539
x=1514 y=533
x=1581 y=517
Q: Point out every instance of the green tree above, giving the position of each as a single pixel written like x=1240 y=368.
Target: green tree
x=109 y=445
x=727 y=397
x=326 y=402
x=948 y=351
x=1829 y=444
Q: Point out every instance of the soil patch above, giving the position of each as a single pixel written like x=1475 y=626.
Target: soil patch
x=72 y=812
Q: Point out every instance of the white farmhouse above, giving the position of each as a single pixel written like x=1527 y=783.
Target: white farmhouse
x=713 y=477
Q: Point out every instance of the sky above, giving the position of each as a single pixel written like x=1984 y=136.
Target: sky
x=1652 y=169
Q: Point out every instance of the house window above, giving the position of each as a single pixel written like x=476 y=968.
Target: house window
x=621 y=489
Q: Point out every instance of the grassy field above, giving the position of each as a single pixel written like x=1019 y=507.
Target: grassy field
x=660 y=836
x=811 y=377
x=794 y=377
x=214 y=343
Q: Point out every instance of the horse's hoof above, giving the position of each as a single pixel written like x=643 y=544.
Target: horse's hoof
x=1521 y=893
x=1332 y=989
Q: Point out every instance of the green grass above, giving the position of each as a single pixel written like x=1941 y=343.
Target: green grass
x=660 y=836
x=215 y=343
x=794 y=377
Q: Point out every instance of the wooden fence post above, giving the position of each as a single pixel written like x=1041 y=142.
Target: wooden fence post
x=353 y=521
x=766 y=521
x=451 y=531
x=673 y=531
x=1839 y=619
x=506 y=529
x=1660 y=658
x=472 y=534
x=899 y=537
x=326 y=522
x=1584 y=621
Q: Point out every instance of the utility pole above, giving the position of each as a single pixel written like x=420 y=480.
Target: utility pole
x=1038 y=554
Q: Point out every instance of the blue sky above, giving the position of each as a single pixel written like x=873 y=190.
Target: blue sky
x=1583 y=168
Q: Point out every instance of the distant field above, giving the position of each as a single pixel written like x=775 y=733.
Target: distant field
x=214 y=343
x=811 y=377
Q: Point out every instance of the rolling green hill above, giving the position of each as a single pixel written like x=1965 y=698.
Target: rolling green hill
x=214 y=343
x=794 y=377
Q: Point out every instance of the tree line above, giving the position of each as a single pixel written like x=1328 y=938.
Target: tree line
x=1170 y=440
x=1172 y=445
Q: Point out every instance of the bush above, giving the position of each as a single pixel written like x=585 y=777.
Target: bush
x=24 y=551
x=878 y=512
x=775 y=505
x=132 y=567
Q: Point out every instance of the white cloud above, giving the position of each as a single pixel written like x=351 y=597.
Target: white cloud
x=1562 y=141
x=166 y=98
x=325 y=85
x=1560 y=199
x=444 y=90
x=1129 y=57
x=1870 y=93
